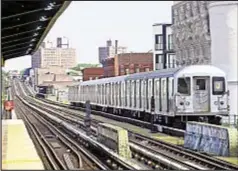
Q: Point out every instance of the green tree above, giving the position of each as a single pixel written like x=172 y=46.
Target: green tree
x=81 y=66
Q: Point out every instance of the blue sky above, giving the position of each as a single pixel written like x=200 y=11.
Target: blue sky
x=89 y=24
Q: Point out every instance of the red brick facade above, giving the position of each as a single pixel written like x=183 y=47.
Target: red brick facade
x=129 y=63
x=92 y=73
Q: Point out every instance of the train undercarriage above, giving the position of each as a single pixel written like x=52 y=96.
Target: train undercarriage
x=175 y=122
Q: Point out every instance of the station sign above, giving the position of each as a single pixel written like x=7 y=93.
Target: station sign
x=8 y=105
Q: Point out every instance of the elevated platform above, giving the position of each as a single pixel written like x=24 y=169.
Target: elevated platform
x=18 y=150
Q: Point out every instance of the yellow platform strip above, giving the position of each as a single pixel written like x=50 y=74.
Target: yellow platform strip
x=4 y=143
x=18 y=150
x=20 y=161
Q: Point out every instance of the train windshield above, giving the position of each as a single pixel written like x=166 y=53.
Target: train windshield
x=218 y=85
x=184 y=85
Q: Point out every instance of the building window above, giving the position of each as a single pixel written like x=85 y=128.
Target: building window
x=127 y=71
x=170 y=42
x=171 y=61
x=159 y=42
x=147 y=69
x=158 y=58
x=137 y=70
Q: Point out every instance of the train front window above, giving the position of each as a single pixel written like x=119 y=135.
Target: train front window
x=201 y=84
x=184 y=86
x=218 y=84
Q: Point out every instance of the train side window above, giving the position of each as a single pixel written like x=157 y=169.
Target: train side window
x=172 y=86
x=121 y=93
x=130 y=94
x=147 y=93
x=135 y=93
x=140 y=96
x=126 y=87
x=184 y=85
x=218 y=85
x=201 y=84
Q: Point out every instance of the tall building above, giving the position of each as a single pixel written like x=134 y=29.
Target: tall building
x=54 y=56
x=164 y=56
x=224 y=47
x=110 y=51
x=191 y=32
x=102 y=53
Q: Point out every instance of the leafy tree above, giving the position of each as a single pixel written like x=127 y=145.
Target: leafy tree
x=81 y=66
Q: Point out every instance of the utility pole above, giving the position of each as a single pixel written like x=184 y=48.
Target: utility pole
x=87 y=120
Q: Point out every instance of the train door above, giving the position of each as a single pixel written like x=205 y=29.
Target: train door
x=143 y=89
x=150 y=93
x=138 y=94
x=164 y=94
x=128 y=94
x=112 y=94
x=123 y=92
x=132 y=93
x=157 y=95
x=201 y=94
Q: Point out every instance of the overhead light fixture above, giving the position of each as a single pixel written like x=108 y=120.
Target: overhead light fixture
x=31 y=44
x=35 y=34
x=43 y=18
x=50 y=6
x=28 y=50
x=34 y=39
x=39 y=27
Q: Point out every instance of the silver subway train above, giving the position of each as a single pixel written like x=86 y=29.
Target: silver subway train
x=193 y=93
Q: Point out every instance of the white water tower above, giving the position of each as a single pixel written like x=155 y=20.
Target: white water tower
x=224 y=35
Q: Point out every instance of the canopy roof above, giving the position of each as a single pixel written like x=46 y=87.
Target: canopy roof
x=25 y=24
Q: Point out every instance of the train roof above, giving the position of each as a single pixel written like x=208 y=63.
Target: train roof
x=152 y=74
x=104 y=80
x=170 y=72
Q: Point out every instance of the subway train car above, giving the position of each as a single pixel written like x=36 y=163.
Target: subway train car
x=192 y=93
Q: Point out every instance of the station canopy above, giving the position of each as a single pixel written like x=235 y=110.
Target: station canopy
x=25 y=24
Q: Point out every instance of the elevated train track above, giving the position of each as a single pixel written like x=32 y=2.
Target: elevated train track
x=101 y=156
x=186 y=158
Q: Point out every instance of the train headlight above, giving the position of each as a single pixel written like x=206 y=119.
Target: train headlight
x=187 y=103
x=216 y=103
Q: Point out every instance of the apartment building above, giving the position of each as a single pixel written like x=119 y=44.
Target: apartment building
x=54 y=56
x=191 y=32
x=163 y=53
x=65 y=57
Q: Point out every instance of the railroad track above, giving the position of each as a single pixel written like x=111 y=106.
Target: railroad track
x=191 y=159
x=164 y=129
x=61 y=151
x=186 y=158
x=111 y=161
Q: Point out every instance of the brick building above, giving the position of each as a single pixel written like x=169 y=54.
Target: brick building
x=92 y=73
x=129 y=63
x=108 y=67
